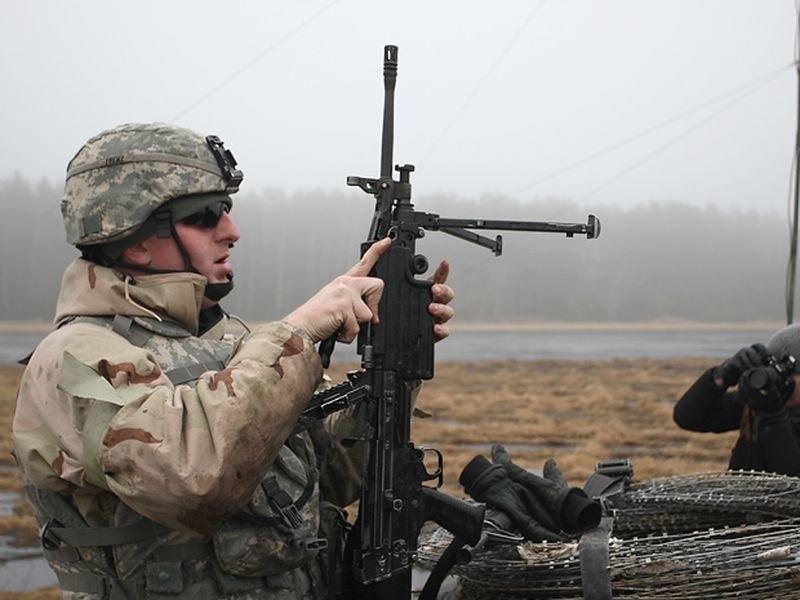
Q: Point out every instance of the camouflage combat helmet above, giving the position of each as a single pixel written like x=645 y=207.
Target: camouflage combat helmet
x=121 y=176
x=785 y=341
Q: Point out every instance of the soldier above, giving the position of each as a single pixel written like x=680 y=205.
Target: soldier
x=767 y=416
x=158 y=448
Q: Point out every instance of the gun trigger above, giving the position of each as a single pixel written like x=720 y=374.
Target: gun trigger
x=438 y=473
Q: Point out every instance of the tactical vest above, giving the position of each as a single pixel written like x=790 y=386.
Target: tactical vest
x=274 y=549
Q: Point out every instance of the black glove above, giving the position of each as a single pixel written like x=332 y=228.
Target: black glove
x=491 y=484
x=571 y=508
x=765 y=391
x=749 y=357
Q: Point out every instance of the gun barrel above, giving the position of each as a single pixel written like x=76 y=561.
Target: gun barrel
x=389 y=80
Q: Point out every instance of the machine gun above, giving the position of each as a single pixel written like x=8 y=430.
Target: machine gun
x=396 y=355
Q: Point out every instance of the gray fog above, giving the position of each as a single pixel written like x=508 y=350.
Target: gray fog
x=668 y=262
x=598 y=102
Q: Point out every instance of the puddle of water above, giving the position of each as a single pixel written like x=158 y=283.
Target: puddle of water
x=23 y=569
x=8 y=500
x=26 y=575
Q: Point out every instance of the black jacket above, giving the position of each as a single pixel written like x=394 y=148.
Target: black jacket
x=774 y=447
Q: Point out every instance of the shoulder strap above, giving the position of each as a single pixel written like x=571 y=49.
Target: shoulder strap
x=139 y=331
x=609 y=478
x=595 y=570
x=124 y=326
x=52 y=533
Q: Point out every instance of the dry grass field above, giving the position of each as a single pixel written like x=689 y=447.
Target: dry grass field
x=577 y=412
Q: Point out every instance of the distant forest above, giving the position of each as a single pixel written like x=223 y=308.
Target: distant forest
x=652 y=262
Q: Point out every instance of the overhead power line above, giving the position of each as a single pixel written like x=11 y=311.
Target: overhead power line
x=743 y=90
x=477 y=87
x=252 y=62
x=675 y=139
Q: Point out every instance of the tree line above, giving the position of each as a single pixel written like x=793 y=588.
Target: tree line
x=657 y=261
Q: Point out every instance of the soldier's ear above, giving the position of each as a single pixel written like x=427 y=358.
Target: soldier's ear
x=138 y=254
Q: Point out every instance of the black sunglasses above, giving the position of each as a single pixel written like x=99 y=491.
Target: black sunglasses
x=209 y=217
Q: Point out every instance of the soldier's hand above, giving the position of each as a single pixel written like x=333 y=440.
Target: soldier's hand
x=749 y=357
x=346 y=302
x=442 y=294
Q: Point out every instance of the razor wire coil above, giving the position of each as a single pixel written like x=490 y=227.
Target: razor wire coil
x=734 y=534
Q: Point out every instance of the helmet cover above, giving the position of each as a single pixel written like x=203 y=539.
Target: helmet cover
x=120 y=176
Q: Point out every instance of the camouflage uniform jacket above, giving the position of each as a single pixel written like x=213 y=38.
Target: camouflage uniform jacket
x=101 y=423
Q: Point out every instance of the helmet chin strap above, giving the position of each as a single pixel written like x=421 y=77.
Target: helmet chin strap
x=217 y=291
x=213 y=291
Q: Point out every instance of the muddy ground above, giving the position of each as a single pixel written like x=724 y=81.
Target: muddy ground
x=577 y=412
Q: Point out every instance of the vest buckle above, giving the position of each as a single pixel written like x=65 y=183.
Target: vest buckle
x=50 y=541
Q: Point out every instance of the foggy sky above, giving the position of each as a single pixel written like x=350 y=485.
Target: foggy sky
x=492 y=97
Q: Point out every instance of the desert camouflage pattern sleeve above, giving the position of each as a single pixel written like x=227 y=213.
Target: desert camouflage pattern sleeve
x=187 y=457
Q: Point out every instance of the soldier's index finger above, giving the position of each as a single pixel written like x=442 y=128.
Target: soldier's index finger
x=371 y=256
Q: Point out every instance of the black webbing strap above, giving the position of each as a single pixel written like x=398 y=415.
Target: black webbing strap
x=282 y=502
x=599 y=485
x=595 y=567
x=610 y=477
x=53 y=534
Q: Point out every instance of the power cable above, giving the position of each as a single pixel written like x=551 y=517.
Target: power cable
x=492 y=68
x=248 y=65
x=674 y=140
x=758 y=82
